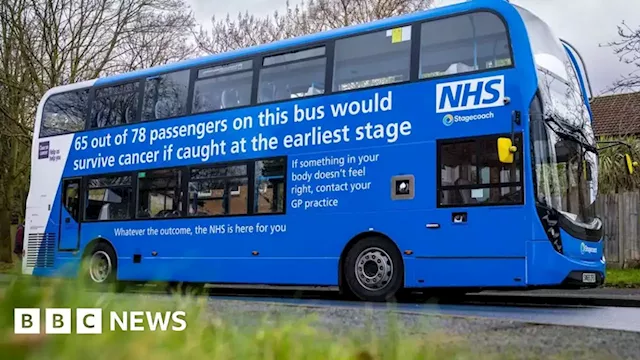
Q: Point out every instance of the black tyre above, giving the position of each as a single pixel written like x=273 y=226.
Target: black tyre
x=373 y=269
x=100 y=268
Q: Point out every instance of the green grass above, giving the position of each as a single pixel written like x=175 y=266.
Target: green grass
x=208 y=335
x=7 y=268
x=623 y=278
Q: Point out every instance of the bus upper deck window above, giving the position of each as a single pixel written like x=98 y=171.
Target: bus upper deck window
x=222 y=92
x=165 y=96
x=372 y=59
x=462 y=44
x=115 y=105
x=64 y=113
x=292 y=75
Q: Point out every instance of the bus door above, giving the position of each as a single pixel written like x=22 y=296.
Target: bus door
x=69 y=215
x=480 y=210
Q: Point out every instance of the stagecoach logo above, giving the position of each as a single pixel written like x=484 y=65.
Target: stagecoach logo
x=449 y=119
x=43 y=150
x=585 y=249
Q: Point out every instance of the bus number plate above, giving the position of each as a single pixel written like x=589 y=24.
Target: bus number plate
x=589 y=278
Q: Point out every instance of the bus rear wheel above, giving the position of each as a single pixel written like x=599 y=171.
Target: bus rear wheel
x=100 y=268
x=373 y=269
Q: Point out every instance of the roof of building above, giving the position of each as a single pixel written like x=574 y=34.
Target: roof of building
x=617 y=114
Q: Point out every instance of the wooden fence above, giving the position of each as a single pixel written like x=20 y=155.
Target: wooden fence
x=619 y=213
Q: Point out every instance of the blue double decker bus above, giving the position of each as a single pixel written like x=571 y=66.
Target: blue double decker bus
x=449 y=148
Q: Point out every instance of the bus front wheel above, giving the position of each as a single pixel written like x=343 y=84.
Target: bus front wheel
x=100 y=268
x=373 y=269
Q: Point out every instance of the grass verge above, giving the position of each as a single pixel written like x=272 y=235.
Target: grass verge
x=207 y=335
x=623 y=278
x=7 y=268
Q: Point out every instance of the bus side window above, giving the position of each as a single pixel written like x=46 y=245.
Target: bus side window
x=64 y=113
x=270 y=186
x=72 y=197
x=165 y=96
x=218 y=190
x=373 y=59
x=159 y=193
x=471 y=174
x=267 y=92
x=461 y=44
x=222 y=92
x=231 y=98
x=108 y=198
x=290 y=75
x=115 y=105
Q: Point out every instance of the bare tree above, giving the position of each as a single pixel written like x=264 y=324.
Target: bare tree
x=16 y=99
x=160 y=37
x=306 y=18
x=66 y=40
x=627 y=48
x=46 y=43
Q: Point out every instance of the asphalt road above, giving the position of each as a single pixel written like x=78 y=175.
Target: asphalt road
x=611 y=318
x=485 y=329
x=534 y=332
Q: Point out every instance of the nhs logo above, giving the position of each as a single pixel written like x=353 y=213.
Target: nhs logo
x=470 y=94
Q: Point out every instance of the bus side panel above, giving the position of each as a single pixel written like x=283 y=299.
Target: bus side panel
x=308 y=253
x=548 y=267
x=284 y=271
x=467 y=272
x=304 y=246
x=42 y=230
x=395 y=137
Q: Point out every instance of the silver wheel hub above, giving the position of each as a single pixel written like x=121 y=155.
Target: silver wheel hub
x=100 y=266
x=374 y=269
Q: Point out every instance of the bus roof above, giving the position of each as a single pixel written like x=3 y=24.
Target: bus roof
x=307 y=39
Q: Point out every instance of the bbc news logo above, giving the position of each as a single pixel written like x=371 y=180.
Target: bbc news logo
x=90 y=321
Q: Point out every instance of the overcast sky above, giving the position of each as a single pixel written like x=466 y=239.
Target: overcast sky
x=584 y=23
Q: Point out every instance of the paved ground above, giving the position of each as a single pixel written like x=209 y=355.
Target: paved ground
x=598 y=317
x=599 y=292
x=483 y=335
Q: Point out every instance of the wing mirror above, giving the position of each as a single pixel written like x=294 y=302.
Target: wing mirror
x=630 y=163
x=506 y=149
